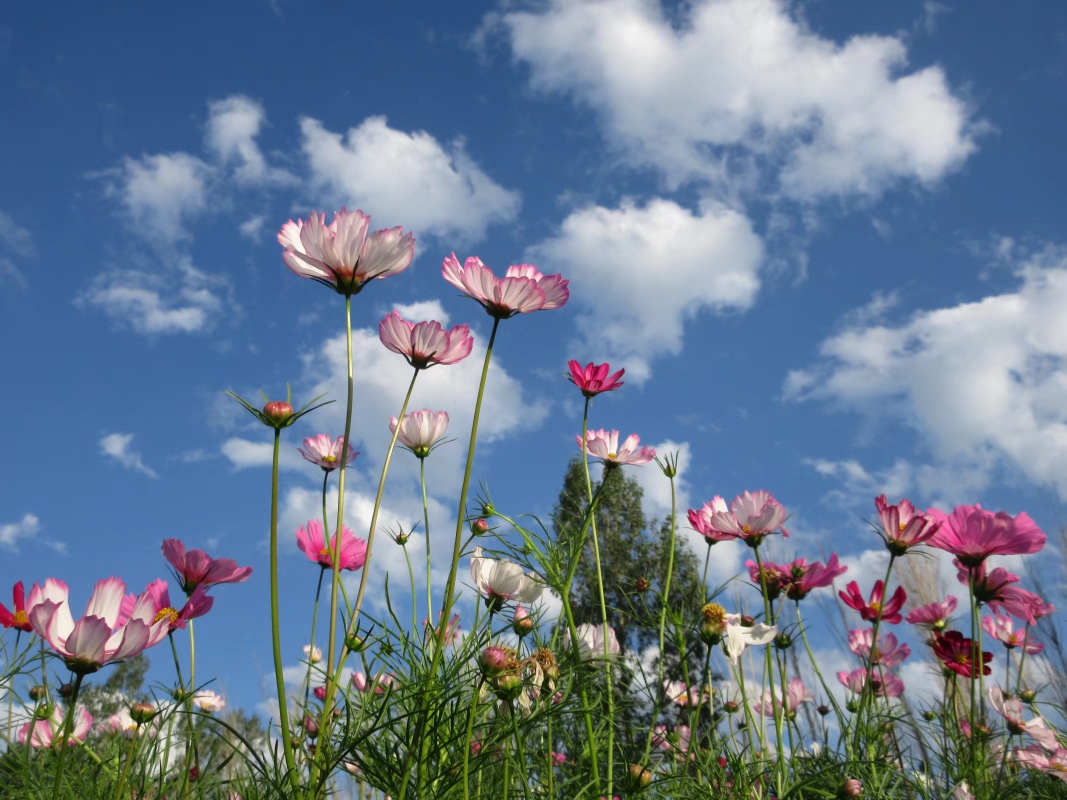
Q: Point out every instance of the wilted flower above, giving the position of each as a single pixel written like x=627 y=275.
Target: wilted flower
x=326 y=452
x=972 y=534
x=16 y=618
x=499 y=581
x=956 y=653
x=196 y=568
x=933 y=615
x=889 y=610
x=750 y=517
x=903 y=526
x=888 y=653
x=209 y=701
x=591 y=642
x=593 y=379
x=420 y=430
x=1001 y=628
x=605 y=445
x=522 y=290
x=312 y=543
x=424 y=344
x=46 y=731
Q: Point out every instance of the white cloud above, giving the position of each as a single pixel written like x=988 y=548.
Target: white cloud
x=179 y=299
x=252 y=227
x=161 y=193
x=14 y=236
x=9 y=273
x=743 y=89
x=233 y=125
x=423 y=310
x=642 y=271
x=982 y=383
x=245 y=453
x=119 y=446
x=11 y=532
x=407 y=179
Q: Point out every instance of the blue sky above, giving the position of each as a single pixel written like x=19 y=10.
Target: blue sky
x=826 y=240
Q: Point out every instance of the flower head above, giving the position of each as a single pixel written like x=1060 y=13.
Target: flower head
x=1012 y=710
x=956 y=654
x=196 y=568
x=883 y=683
x=342 y=255
x=903 y=526
x=99 y=637
x=739 y=636
x=1001 y=628
x=889 y=609
x=768 y=577
x=522 y=290
x=157 y=598
x=799 y=577
x=499 y=581
x=701 y=518
x=16 y=618
x=605 y=445
x=420 y=430
x=933 y=615
x=122 y=723
x=972 y=534
x=313 y=544
x=209 y=701
x=593 y=379
x=326 y=452
x=424 y=344
x=45 y=732
x=796 y=693
x=888 y=653
x=591 y=644
x=750 y=517
x=313 y=654
x=999 y=590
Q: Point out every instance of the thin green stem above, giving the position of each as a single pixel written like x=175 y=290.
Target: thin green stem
x=777 y=709
x=663 y=620
x=830 y=695
x=126 y=766
x=1022 y=659
x=10 y=695
x=467 y=739
x=311 y=647
x=68 y=726
x=867 y=693
x=520 y=752
x=426 y=528
x=414 y=597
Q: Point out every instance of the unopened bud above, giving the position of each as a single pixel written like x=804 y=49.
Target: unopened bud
x=747 y=621
x=782 y=641
x=44 y=711
x=311 y=727
x=36 y=693
x=731 y=707
x=1028 y=695
x=401 y=538
x=355 y=643
x=493 y=661
x=277 y=411
x=479 y=526
x=336 y=713
x=194 y=773
x=640 y=777
x=823 y=710
x=508 y=685
x=852 y=706
x=142 y=713
x=66 y=690
x=180 y=695
x=929 y=716
x=522 y=623
x=488 y=510
x=851 y=788
x=641 y=585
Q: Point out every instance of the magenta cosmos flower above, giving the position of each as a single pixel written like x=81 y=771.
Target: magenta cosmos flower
x=16 y=618
x=45 y=732
x=522 y=290
x=196 y=568
x=890 y=610
x=889 y=652
x=933 y=615
x=956 y=651
x=311 y=541
x=159 y=606
x=1001 y=628
x=883 y=684
x=999 y=590
x=342 y=255
x=326 y=452
x=99 y=637
x=593 y=379
x=750 y=517
x=420 y=430
x=972 y=534
x=424 y=344
x=799 y=577
x=605 y=445
x=903 y=526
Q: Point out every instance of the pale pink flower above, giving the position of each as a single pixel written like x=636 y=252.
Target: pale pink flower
x=420 y=430
x=424 y=344
x=796 y=693
x=342 y=255
x=701 y=519
x=451 y=635
x=751 y=516
x=605 y=445
x=1012 y=710
x=313 y=544
x=593 y=379
x=120 y=722
x=933 y=615
x=209 y=701
x=679 y=694
x=1001 y=628
x=739 y=636
x=522 y=290
x=313 y=654
x=378 y=683
x=903 y=526
x=999 y=590
x=962 y=792
x=157 y=594
x=883 y=684
x=97 y=638
x=47 y=731
x=1035 y=757
x=499 y=581
x=591 y=645
x=889 y=652
x=196 y=568
x=326 y=452
x=972 y=534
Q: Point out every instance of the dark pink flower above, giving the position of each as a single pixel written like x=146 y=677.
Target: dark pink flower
x=195 y=567
x=313 y=544
x=890 y=610
x=16 y=618
x=342 y=255
x=775 y=576
x=933 y=615
x=157 y=595
x=701 y=518
x=424 y=344
x=903 y=526
x=605 y=445
x=956 y=653
x=799 y=577
x=522 y=290
x=998 y=589
x=751 y=517
x=972 y=534
x=326 y=452
x=593 y=379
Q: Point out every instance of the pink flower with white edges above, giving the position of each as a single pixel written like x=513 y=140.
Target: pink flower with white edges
x=313 y=544
x=889 y=652
x=326 y=452
x=593 y=379
x=196 y=568
x=522 y=290
x=591 y=644
x=122 y=723
x=1051 y=762
x=424 y=344
x=903 y=526
x=751 y=516
x=972 y=534
x=45 y=732
x=883 y=683
x=605 y=445
x=1001 y=628
x=701 y=518
x=499 y=581
x=420 y=430
x=934 y=616
x=1012 y=710
x=160 y=607
x=342 y=255
x=99 y=637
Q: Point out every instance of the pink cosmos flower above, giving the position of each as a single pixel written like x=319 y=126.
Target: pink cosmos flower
x=342 y=255
x=420 y=430
x=500 y=581
x=955 y=652
x=97 y=638
x=972 y=534
x=378 y=683
x=998 y=588
x=209 y=701
x=591 y=644
x=451 y=635
x=883 y=684
x=903 y=526
x=522 y=290
x=775 y=576
x=796 y=693
x=933 y=615
x=593 y=379
x=751 y=517
x=311 y=541
x=1052 y=762
x=1012 y=710
x=47 y=731
x=889 y=652
x=196 y=568
x=326 y=452
x=799 y=577
x=1001 y=628
x=605 y=445
x=16 y=618
x=120 y=722
x=424 y=344
x=890 y=610
x=700 y=519
x=679 y=694
x=159 y=606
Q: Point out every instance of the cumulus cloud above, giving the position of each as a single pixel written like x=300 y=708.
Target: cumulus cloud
x=728 y=89
x=252 y=227
x=407 y=179
x=12 y=532
x=422 y=311
x=639 y=272
x=161 y=194
x=982 y=382
x=17 y=240
x=230 y=133
x=119 y=447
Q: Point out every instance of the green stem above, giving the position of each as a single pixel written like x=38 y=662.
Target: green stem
x=467 y=740
x=775 y=707
x=276 y=636
x=1022 y=659
x=126 y=766
x=520 y=753
x=426 y=528
x=414 y=603
x=663 y=622
x=68 y=726
x=314 y=622
x=868 y=689
x=842 y=727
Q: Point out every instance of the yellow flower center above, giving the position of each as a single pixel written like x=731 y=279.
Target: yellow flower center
x=746 y=529
x=961 y=658
x=613 y=456
x=901 y=526
x=876 y=607
x=167 y=613
x=325 y=552
x=331 y=459
x=20 y=618
x=713 y=613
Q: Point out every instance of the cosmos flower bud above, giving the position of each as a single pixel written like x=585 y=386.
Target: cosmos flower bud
x=66 y=690
x=731 y=707
x=782 y=641
x=479 y=526
x=1028 y=695
x=851 y=788
x=194 y=774
x=278 y=411
x=823 y=710
x=640 y=777
x=142 y=713
x=509 y=685
x=355 y=643
x=488 y=509
x=929 y=716
x=36 y=693
x=493 y=661
x=522 y=623
x=641 y=585
x=401 y=538
x=852 y=706
x=44 y=711
x=311 y=727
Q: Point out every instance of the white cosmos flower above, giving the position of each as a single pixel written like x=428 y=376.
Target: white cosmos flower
x=739 y=636
x=209 y=701
x=503 y=580
x=591 y=641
